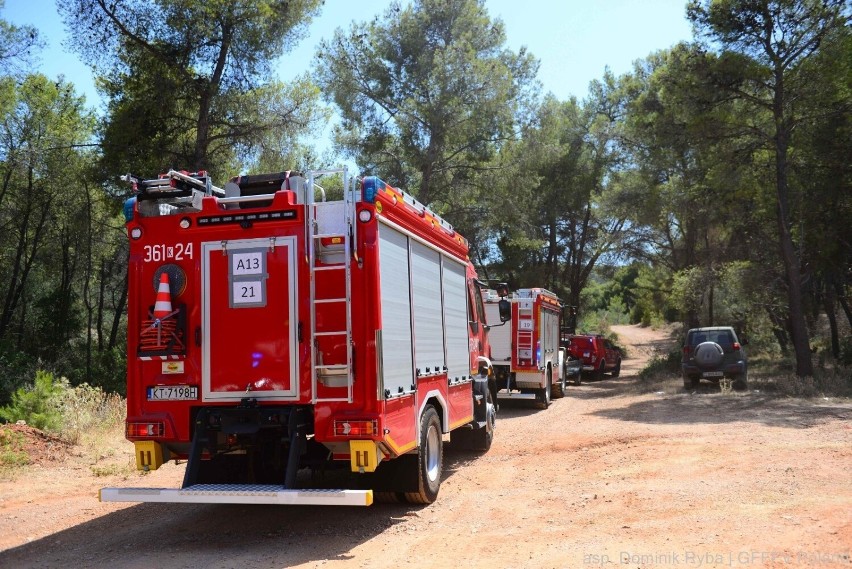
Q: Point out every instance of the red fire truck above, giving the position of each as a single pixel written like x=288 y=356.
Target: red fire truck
x=270 y=332
x=526 y=355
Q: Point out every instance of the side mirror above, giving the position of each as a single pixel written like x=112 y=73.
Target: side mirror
x=505 y=308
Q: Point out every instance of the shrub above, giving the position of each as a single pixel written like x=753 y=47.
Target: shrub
x=86 y=408
x=37 y=405
x=662 y=366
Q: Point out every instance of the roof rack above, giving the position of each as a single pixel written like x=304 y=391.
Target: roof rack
x=175 y=189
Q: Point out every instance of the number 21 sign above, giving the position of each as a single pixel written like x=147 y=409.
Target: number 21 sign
x=247 y=275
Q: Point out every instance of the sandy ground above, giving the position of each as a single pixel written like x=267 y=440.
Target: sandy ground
x=609 y=476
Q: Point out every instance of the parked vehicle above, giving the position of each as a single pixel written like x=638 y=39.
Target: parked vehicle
x=714 y=353
x=573 y=366
x=597 y=354
x=527 y=359
x=283 y=334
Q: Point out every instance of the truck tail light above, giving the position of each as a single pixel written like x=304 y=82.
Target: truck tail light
x=356 y=428
x=151 y=429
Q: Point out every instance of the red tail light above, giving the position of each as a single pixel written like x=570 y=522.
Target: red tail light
x=736 y=345
x=145 y=430
x=356 y=428
x=687 y=349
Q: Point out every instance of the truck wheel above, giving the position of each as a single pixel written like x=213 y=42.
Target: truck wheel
x=543 y=394
x=560 y=388
x=429 y=459
x=599 y=375
x=481 y=439
x=617 y=371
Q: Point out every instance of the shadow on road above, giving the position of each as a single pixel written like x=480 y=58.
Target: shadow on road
x=595 y=389
x=717 y=409
x=209 y=535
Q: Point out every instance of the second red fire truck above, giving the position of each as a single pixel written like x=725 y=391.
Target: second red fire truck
x=270 y=333
x=526 y=355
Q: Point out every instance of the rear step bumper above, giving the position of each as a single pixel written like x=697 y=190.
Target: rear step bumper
x=238 y=494
x=515 y=395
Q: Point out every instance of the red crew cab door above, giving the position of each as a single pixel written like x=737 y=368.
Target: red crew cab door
x=249 y=319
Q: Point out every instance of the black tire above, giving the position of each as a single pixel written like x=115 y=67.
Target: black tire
x=429 y=460
x=543 y=395
x=617 y=371
x=741 y=383
x=560 y=388
x=481 y=439
x=599 y=374
x=386 y=497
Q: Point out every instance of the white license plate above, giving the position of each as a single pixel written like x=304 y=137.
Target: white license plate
x=712 y=374
x=173 y=393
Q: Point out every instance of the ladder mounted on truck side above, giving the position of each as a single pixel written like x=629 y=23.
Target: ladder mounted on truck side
x=330 y=236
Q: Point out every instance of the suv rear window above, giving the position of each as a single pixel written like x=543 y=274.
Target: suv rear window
x=721 y=337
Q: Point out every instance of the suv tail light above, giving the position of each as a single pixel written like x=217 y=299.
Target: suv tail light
x=687 y=348
x=736 y=345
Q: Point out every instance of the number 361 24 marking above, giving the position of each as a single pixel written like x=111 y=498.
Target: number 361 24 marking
x=163 y=252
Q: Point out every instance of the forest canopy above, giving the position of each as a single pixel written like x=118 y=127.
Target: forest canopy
x=711 y=184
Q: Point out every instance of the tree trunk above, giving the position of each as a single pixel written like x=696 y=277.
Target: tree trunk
x=116 y=318
x=798 y=327
x=780 y=331
x=201 y=161
x=828 y=301
x=99 y=320
x=843 y=303
x=23 y=262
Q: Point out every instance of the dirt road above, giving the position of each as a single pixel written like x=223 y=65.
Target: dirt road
x=608 y=476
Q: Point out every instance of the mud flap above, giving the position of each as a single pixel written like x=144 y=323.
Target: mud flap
x=480 y=397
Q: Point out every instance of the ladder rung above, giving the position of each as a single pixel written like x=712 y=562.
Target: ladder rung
x=330 y=268
x=329 y=235
x=341 y=333
x=332 y=366
x=328 y=300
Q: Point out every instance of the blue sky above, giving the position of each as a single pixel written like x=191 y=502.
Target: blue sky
x=573 y=39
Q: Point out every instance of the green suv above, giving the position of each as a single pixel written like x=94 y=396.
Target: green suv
x=714 y=353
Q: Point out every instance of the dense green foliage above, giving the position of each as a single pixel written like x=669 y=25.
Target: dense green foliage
x=188 y=83
x=37 y=406
x=710 y=185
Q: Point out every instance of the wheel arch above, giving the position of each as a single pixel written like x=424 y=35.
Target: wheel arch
x=436 y=399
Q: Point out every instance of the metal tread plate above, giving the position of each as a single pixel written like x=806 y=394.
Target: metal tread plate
x=239 y=494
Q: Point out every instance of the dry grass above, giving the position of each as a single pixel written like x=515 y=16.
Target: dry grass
x=12 y=450
x=766 y=375
x=92 y=431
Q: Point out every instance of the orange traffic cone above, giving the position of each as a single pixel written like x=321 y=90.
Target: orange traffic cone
x=163 y=304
